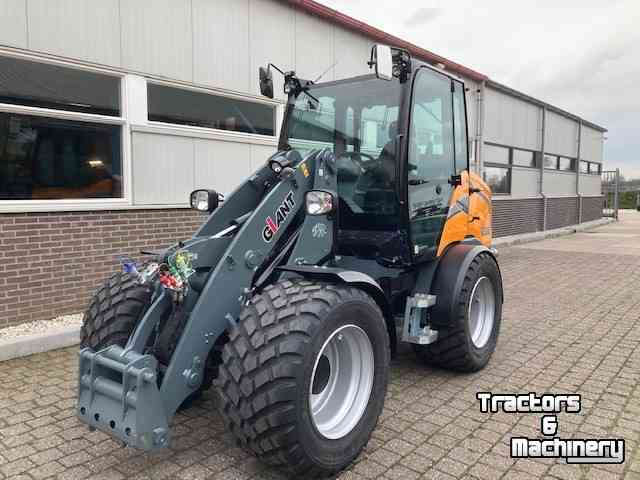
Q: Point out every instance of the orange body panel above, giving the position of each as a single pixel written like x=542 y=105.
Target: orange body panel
x=469 y=214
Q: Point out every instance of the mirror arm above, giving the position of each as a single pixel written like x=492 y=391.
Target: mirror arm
x=269 y=65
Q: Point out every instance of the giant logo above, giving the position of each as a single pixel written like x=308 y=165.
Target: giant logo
x=281 y=214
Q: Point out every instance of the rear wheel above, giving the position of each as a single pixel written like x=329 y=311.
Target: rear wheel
x=304 y=375
x=468 y=342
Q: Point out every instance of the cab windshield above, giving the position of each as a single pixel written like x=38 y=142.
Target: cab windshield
x=358 y=120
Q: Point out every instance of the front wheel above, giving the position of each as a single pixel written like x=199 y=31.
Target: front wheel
x=304 y=375
x=470 y=337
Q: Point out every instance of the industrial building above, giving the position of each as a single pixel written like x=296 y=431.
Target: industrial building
x=112 y=111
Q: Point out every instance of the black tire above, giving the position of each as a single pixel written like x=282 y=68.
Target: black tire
x=114 y=311
x=267 y=368
x=454 y=349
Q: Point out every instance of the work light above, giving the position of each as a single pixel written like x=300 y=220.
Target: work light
x=204 y=200
x=319 y=202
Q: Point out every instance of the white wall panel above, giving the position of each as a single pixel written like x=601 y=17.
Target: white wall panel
x=163 y=169
x=559 y=183
x=157 y=37
x=592 y=144
x=590 y=185
x=84 y=29
x=221 y=44
x=511 y=121
x=352 y=52
x=13 y=23
x=259 y=155
x=271 y=39
x=221 y=165
x=314 y=47
x=525 y=182
x=561 y=135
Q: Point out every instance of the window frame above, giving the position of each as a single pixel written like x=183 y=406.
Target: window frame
x=507 y=166
x=535 y=154
x=82 y=204
x=556 y=160
x=229 y=135
x=459 y=88
x=599 y=167
x=507 y=148
x=133 y=118
x=509 y=170
x=572 y=164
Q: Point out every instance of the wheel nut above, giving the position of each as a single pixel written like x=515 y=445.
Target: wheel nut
x=339 y=337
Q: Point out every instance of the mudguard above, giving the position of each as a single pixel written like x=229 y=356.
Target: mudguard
x=449 y=277
x=351 y=277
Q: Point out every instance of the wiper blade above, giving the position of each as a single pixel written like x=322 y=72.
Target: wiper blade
x=306 y=90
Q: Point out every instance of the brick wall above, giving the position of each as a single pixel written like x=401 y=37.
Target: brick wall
x=513 y=217
x=50 y=263
x=591 y=208
x=562 y=212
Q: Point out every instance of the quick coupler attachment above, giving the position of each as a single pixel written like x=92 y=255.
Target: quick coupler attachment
x=118 y=394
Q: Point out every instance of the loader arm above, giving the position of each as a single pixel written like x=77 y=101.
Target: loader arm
x=122 y=390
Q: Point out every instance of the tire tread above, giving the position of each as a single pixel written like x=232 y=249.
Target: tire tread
x=262 y=418
x=450 y=351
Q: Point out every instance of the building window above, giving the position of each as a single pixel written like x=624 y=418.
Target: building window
x=551 y=162
x=50 y=159
x=566 y=164
x=591 y=168
x=584 y=167
x=72 y=150
x=499 y=179
x=32 y=84
x=495 y=154
x=188 y=107
x=524 y=158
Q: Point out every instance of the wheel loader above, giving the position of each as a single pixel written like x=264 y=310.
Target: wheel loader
x=364 y=230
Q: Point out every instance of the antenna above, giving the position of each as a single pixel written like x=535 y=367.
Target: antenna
x=323 y=73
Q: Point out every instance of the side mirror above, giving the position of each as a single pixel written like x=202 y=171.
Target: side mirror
x=204 y=200
x=382 y=60
x=266 y=82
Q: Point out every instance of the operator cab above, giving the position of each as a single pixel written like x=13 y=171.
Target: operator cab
x=399 y=144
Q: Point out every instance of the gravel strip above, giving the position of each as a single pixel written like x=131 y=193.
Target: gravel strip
x=40 y=326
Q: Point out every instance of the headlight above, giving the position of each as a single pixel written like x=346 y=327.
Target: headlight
x=204 y=200
x=319 y=202
x=275 y=166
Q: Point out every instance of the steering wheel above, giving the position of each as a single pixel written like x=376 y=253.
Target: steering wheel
x=357 y=159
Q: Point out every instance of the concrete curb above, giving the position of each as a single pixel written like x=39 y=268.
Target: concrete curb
x=559 y=232
x=40 y=342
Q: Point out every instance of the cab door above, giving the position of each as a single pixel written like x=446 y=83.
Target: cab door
x=431 y=160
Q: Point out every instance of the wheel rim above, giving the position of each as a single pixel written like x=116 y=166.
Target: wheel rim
x=481 y=312
x=341 y=382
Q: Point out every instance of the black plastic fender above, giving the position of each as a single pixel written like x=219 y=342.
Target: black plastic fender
x=448 y=279
x=355 y=278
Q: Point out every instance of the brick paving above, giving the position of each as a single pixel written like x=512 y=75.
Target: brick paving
x=571 y=324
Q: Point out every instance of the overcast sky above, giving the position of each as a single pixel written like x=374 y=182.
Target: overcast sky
x=580 y=55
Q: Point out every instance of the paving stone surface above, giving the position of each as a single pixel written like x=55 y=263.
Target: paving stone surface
x=571 y=324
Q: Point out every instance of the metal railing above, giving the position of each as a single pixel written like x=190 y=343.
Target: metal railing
x=611 y=193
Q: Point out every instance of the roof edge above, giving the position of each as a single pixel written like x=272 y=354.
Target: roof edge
x=314 y=8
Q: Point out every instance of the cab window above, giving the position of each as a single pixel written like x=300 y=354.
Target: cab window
x=430 y=159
